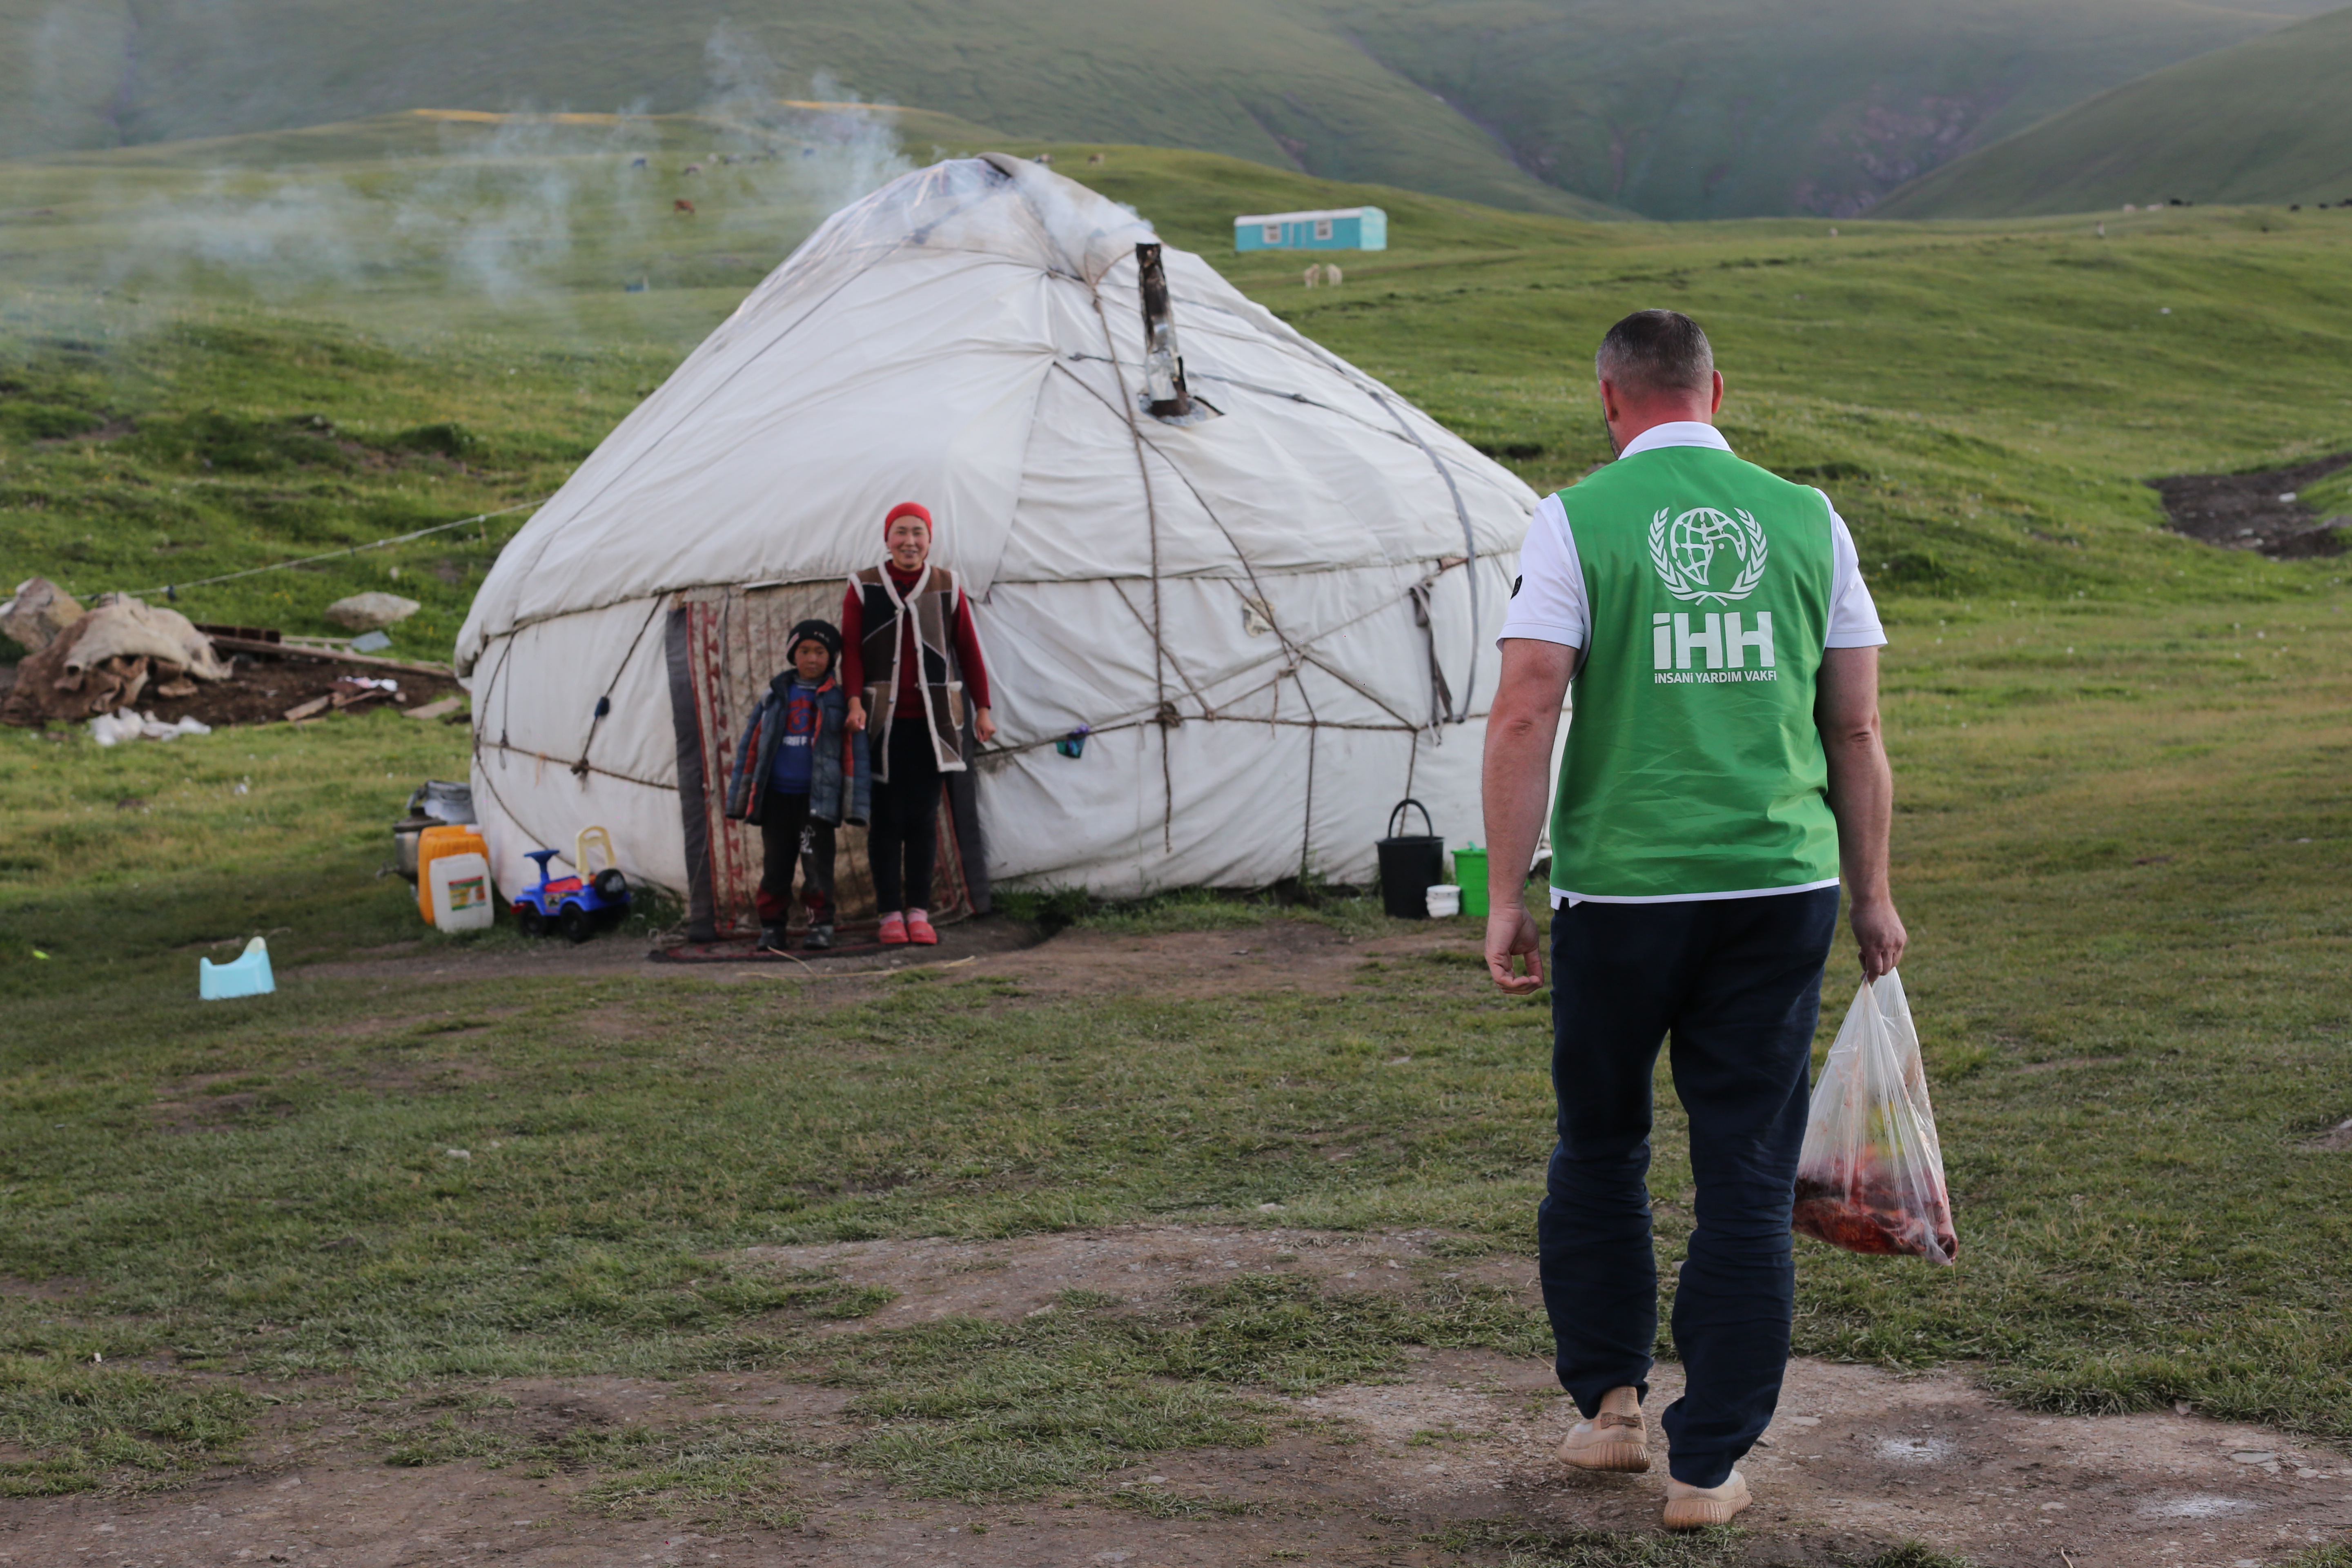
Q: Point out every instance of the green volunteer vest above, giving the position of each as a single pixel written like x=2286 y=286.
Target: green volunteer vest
x=1693 y=764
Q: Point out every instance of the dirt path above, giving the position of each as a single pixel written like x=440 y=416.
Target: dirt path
x=1270 y=955
x=1461 y=1443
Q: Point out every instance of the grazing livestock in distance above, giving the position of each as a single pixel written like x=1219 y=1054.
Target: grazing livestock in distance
x=683 y=206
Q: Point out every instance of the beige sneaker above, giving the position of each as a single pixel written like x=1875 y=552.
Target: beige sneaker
x=1695 y=1508
x=1615 y=1439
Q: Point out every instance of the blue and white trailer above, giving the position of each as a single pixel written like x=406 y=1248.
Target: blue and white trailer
x=1332 y=228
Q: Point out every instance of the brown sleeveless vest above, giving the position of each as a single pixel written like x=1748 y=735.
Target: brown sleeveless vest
x=932 y=604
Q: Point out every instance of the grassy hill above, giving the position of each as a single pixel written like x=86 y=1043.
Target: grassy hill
x=1683 y=109
x=1702 y=109
x=2269 y=120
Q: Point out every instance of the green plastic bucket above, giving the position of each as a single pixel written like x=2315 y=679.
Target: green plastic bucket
x=1470 y=871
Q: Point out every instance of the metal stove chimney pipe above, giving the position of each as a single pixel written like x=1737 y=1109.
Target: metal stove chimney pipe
x=1163 y=366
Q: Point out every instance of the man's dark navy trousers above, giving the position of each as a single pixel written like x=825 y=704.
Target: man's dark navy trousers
x=1736 y=985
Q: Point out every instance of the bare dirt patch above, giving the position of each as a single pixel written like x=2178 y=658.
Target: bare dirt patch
x=2337 y=1137
x=436 y=1077
x=2260 y=512
x=268 y=686
x=1272 y=955
x=1440 y=1465
x=193 y=1105
x=1276 y=954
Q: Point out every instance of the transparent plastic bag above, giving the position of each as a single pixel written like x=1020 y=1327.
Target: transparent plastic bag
x=1871 y=1176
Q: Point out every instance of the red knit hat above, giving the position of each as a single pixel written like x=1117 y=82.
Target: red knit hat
x=915 y=509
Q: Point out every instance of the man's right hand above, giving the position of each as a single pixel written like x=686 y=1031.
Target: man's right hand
x=1511 y=933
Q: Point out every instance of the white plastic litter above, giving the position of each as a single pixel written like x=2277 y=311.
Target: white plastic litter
x=125 y=724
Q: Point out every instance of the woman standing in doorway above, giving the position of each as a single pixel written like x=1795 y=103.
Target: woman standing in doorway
x=911 y=658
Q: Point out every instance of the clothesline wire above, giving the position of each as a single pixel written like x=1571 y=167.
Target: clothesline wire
x=174 y=588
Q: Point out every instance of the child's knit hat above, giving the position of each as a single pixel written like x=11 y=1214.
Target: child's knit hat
x=822 y=632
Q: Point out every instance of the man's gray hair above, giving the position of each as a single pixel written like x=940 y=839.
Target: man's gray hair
x=1654 y=351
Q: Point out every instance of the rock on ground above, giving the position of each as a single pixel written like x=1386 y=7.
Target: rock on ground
x=370 y=612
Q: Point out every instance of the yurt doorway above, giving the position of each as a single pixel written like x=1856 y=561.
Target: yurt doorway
x=724 y=646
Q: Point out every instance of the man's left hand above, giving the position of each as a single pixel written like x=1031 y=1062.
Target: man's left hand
x=1878 y=931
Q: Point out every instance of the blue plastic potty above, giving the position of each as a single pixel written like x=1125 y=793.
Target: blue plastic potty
x=247 y=974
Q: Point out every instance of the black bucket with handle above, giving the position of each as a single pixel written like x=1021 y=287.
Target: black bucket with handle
x=1411 y=864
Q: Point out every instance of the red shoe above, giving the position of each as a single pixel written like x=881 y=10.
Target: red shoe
x=894 y=930
x=919 y=928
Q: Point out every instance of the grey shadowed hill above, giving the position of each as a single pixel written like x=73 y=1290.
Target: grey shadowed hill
x=1673 y=109
x=2269 y=120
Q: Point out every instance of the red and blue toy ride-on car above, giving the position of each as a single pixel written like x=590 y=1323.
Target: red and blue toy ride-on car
x=578 y=906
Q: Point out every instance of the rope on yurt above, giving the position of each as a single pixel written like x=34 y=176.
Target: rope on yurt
x=1348 y=372
x=604 y=699
x=1151 y=516
x=1454 y=715
x=1263 y=599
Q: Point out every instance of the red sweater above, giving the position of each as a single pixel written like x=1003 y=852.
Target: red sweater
x=853 y=645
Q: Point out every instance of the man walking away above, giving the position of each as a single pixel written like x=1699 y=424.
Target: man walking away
x=1725 y=762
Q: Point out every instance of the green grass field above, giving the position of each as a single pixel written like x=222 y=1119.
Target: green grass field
x=2121 y=848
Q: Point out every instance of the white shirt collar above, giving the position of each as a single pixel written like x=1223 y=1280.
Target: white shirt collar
x=1676 y=433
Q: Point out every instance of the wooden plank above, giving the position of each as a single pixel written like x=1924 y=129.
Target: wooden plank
x=289 y=650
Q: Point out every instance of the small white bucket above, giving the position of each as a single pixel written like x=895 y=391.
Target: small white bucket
x=1444 y=900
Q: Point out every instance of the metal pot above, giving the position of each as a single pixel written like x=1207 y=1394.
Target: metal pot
x=405 y=835
x=435 y=803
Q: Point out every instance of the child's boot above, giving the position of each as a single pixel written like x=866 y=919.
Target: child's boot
x=774 y=938
x=820 y=937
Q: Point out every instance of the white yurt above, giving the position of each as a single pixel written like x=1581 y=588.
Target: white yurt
x=1271 y=616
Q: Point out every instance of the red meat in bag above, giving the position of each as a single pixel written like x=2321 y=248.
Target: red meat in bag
x=1871 y=1176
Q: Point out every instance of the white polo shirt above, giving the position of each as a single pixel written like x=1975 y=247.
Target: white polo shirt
x=1549 y=603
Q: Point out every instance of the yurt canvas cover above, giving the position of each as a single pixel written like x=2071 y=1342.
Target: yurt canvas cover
x=1273 y=621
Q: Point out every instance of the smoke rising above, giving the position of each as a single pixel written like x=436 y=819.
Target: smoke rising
x=512 y=211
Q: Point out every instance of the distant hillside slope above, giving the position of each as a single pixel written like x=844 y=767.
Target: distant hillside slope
x=2266 y=120
x=1685 y=109
x=1674 y=109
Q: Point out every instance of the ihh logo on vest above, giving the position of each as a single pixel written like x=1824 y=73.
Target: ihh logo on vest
x=1694 y=554
x=1703 y=545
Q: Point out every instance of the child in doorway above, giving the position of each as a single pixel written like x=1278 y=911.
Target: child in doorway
x=800 y=773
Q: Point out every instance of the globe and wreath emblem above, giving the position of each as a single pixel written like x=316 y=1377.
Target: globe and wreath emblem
x=1707 y=557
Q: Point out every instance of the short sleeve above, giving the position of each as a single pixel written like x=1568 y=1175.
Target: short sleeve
x=1548 y=602
x=1854 y=616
